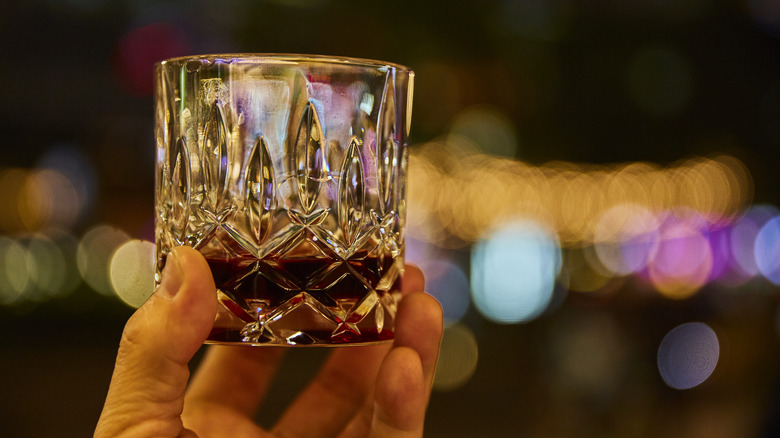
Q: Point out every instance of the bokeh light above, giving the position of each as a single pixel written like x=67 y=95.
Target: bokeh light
x=75 y=196
x=682 y=262
x=132 y=270
x=688 y=355
x=725 y=271
x=94 y=254
x=418 y=251
x=767 y=250
x=458 y=193
x=679 y=227
x=625 y=238
x=50 y=198
x=14 y=271
x=37 y=267
x=618 y=139
x=458 y=357
x=513 y=272
x=48 y=267
x=743 y=237
x=447 y=282
x=33 y=200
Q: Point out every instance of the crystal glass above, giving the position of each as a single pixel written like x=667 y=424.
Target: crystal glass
x=288 y=173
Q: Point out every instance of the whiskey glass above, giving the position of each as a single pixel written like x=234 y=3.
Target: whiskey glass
x=288 y=173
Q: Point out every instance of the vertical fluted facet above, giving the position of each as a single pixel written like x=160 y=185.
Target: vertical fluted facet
x=309 y=158
x=260 y=188
x=352 y=193
x=179 y=186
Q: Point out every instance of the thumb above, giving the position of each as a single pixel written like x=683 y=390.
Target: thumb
x=147 y=388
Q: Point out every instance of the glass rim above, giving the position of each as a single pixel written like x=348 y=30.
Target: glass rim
x=285 y=58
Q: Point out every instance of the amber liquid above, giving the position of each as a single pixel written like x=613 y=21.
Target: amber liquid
x=256 y=288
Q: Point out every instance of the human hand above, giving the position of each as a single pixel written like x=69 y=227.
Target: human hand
x=375 y=391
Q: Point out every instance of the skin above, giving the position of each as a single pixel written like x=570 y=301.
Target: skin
x=376 y=391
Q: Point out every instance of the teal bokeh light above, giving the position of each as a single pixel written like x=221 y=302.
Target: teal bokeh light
x=513 y=273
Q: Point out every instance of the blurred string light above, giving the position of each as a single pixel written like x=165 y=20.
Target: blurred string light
x=678 y=227
x=458 y=357
x=466 y=192
x=513 y=272
x=688 y=355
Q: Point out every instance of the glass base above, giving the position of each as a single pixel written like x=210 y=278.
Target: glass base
x=322 y=345
x=305 y=319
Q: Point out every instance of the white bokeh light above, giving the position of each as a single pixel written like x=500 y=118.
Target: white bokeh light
x=513 y=273
x=132 y=272
x=94 y=254
x=688 y=355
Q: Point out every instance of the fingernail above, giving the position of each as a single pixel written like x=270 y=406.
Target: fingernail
x=171 y=276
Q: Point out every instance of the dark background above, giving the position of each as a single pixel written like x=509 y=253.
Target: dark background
x=76 y=74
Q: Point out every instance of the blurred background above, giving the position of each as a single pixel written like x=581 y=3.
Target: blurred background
x=592 y=195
